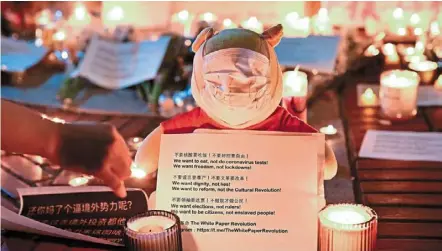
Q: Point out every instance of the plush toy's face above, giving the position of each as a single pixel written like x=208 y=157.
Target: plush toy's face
x=236 y=78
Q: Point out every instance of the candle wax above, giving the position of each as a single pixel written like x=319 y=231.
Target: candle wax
x=348 y=217
x=151 y=224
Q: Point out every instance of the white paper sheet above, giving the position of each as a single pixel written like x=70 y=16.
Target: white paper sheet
x=19 y=55
x=427 y=95
x=418 y=146
x=312 y=52
x=119 y=65
x=286 y=166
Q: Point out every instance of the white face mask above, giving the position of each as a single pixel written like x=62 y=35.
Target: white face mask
x=236 y=84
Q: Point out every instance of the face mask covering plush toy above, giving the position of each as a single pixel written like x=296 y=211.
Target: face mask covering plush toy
x=237 y=84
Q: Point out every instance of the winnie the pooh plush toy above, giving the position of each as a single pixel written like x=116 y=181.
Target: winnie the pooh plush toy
x=237 y=85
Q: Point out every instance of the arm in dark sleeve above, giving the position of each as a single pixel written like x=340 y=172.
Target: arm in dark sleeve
x=26 y=131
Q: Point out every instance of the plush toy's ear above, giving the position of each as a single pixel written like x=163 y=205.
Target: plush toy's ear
x=201 y=38
x=273 y=35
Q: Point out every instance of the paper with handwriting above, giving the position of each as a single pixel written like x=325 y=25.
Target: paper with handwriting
x=113 y=65
x=411 y=146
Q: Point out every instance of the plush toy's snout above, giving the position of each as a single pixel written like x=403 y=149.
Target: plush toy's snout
x=272 y=35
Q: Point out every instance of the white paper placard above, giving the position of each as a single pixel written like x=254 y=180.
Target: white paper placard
x=417 y=146
x=427 y=95
x=19 y=55
x=113 y=65
x=264 y=198
x=312 y=52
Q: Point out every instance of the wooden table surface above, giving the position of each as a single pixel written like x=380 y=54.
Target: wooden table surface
x=407 y=195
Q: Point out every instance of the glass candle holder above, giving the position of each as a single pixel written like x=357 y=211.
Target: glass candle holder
x=295 y=93
x=398 y=94
x=425 y=69
x=347 y=227
x=155 y=230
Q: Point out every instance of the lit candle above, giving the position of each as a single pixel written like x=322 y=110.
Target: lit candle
x=369 y=98
x=184 y=20
x=347 y=227
x=398 y=94
x=79 y=181
x=438 y=83
x=59 y=35
x=434 y=29
x=391 y=55
x=137 y=172
x=425 y=69
x=322 y=25
x=154 y=231
x=134 y=143
x=209 y=17
x=371 y=51
x=371 y=26
x=328 y=130
x=295 y=93
x=253 y=24
x=229 y=24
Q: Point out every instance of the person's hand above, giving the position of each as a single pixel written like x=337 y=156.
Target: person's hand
x=95 y=149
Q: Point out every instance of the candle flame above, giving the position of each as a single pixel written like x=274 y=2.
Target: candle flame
x=415 y=19
x=227 y=22
x=137 y=172
x=398 y=13
x=183 y=15
x=208 y=17
x=59 y=35
x=369 y=93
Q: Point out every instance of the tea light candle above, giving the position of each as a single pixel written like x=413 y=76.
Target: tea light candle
x=425 y=69
x=154 y=231
x=347 y=227
x=328 y=130
x=438 y=83
x=391 y=55
x=295 y=93
x=398 y=94
x=369 y=98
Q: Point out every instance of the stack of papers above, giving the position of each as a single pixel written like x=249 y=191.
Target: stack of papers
x=114 y=66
